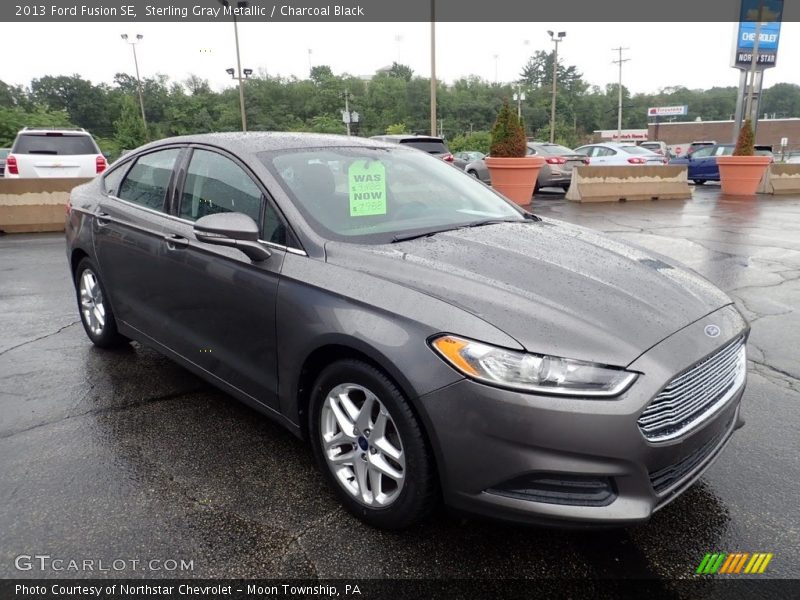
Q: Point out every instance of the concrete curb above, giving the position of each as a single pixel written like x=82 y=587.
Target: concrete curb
x=615 y=183
x=780 y=179
x=35 y=205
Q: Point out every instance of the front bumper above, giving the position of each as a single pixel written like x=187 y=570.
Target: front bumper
x=488 y=440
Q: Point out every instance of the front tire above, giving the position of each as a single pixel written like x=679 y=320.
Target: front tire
x=96 y=314
x=370 y=446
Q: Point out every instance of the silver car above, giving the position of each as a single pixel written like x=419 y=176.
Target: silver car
x=556 y=171
x=428 y=338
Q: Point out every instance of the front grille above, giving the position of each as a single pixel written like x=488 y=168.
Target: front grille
x=559 y=488
x=696 y=394
x=665 y=478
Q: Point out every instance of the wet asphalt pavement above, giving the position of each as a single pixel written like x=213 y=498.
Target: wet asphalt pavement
x=125 y=455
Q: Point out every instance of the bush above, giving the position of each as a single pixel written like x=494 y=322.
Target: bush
x=745 y=144
x=508 y=134
x=397 y=128
x=479 y=141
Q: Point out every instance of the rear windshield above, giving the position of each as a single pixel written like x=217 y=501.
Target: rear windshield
x=54 y=143
x=554 y=150
x=429 y=146
x=4 y=152
x=637 y=150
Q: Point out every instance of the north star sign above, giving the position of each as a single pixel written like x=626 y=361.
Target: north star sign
x=770 y=12
x=667 y=111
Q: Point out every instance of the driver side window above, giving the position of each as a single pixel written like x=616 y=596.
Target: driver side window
x=215 y=184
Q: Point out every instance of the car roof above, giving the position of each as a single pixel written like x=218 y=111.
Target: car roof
x=264 y=141
x=406 y=136
x=59 y=130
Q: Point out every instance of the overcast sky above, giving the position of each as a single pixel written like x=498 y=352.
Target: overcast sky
x=662 y=54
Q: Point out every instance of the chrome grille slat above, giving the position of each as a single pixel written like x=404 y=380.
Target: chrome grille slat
x=686 y=385
x=686 y=404
x=694 y=395
x=731 y=348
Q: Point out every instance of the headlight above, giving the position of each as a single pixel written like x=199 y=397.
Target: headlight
x=531 y=372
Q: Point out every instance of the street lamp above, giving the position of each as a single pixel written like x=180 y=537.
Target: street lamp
x=555 y=39
x=133 y=43
x=239 y=4
x=519 y=96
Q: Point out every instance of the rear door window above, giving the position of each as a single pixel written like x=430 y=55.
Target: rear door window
x=54 y=144
x=147 y=182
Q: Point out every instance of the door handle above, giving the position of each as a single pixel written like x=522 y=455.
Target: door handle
x=176 y=242
x=102 y=219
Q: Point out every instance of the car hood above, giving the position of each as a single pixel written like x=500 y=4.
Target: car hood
x=556 y=288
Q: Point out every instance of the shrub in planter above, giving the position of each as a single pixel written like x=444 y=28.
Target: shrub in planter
x=512 y=171
x=741 y=173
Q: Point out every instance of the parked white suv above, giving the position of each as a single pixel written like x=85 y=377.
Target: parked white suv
x=40 y=153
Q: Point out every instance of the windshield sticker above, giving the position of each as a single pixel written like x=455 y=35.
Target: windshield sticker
x=367 y=181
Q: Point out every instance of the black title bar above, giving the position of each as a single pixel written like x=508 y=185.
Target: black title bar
x=599 y=11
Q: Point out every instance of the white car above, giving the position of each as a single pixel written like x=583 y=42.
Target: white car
x=793 y=158
x=38 y=153
x=612 y=153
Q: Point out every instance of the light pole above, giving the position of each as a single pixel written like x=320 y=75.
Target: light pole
x=555 y=39
x=133 y=43
x=519 y=96
x=239 y=4
x=346 y=116
x=310 y=66
x=619 y=103
x=495 y=56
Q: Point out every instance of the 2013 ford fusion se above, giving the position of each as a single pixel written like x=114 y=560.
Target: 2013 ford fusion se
x=429 y=339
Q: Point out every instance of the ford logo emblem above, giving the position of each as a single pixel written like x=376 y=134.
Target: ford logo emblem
x=712 y=331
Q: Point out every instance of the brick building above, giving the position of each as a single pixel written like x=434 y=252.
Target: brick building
x=770 y=131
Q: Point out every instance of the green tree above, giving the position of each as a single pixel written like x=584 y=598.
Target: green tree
x=129 y=129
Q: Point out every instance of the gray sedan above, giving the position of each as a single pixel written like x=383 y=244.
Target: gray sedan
x=556 y=171
x=428 y=338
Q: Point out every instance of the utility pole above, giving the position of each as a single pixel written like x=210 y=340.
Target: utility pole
x=433 y=67
x=347 y=110
x=619 y=105
x=239 y=4
x=555 y=39
x=133 y=43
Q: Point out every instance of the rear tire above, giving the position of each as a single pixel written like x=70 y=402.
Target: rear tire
x=473 y=173
x=370 y=446
x=96 y=314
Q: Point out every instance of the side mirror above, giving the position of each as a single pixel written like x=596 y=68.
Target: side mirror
x=235 y=230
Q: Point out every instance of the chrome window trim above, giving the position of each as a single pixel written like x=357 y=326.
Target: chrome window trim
x=289 y=249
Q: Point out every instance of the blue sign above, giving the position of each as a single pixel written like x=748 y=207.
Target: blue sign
x=767 y=39
x=770 y=13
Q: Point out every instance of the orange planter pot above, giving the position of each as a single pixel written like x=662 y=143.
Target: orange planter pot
x=515 y=178
x=740 y=175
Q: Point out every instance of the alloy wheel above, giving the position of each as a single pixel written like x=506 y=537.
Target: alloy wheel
x=362 y=445
x=93 y=309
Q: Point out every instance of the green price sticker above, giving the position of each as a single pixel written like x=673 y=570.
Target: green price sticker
x=367 y=181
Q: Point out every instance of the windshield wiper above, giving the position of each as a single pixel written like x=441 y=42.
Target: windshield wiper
x=402 y=237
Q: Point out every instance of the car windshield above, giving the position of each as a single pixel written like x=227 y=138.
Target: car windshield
x=379 y=195
x=636 y=150
x=54 y=143
x=554 y=149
